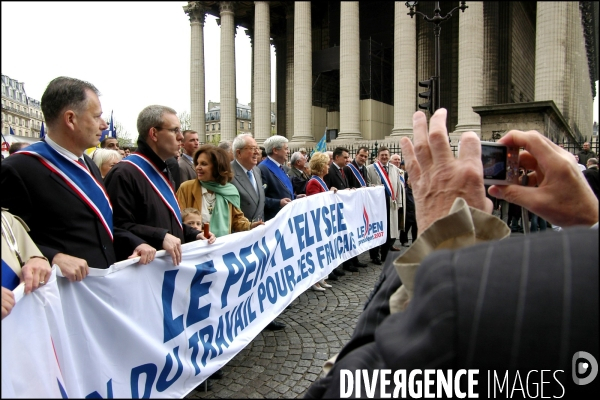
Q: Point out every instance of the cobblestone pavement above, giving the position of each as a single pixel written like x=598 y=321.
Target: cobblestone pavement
x=283 y=364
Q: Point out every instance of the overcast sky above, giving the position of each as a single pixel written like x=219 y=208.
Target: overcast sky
x=136 y=54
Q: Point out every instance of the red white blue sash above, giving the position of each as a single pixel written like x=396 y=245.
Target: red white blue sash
x=158 y=181
x=385 y=179
x=357 y=175
x=320 y=181
x=78 y=178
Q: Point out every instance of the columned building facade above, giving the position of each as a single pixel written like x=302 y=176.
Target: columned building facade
x=353 y=66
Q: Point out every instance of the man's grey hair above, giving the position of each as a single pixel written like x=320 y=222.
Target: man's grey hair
x=295 y=157
x=592 y=161
x=240 y=142
x=151 y=116
x=225 y=145
x=274 y=142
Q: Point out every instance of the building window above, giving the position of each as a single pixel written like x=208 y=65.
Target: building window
x=249 y=125
x=213 y=127
x=219 y=126
x=241 y=124
x=206 y=128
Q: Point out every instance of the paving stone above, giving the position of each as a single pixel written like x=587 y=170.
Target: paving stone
x=283 y=364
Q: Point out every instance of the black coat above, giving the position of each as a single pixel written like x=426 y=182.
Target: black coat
x=593 y=178
x=59 y=220
x=137 y=207
x=531 y=306
x=334 y=178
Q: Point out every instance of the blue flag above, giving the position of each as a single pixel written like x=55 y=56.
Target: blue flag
x=11 y=130
x=42 y=131
x=108 y=132
x=321 y=145
x=111 y=128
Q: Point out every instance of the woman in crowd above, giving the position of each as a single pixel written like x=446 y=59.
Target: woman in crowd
x=105 y=159
x=22 y=261
x=319 y=166
x=212 y=193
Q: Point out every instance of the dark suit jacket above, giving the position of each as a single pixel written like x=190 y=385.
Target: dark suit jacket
x=592 y=175
x=173 y=167
x=59 y=220
x=334 y=178
x=275 y=191
x=252 y=204
x=186 y=169
x=518 y=304
x=299 y=179
x=352 y=181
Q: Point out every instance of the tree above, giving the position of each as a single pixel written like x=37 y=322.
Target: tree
x=186 y=120
x=123 y=137
x=216 y=139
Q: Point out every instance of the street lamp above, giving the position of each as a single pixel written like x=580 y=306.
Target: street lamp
x=434 y=82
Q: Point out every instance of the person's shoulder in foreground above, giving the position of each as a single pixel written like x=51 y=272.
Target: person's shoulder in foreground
x=505 y=309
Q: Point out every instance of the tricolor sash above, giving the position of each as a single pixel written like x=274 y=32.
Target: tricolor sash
x=78 y=178
x=10 y=279
x=402 y=179
x=385 y=179
x=158 y=181
x=357 y=175
x=320 y=181
x=280 y=175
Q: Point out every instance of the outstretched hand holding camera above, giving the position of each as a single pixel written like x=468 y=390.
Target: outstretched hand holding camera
x=556 y=190
x=437 y=177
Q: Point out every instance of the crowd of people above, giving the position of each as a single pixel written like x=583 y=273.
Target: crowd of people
x=117 y=204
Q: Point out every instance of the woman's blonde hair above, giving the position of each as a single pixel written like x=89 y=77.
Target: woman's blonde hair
x=318 y=162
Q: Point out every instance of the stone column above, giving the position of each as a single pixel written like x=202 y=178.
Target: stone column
x=425 y=52
x=228 y=106
x=289 y=73
x=405 y=74
x=550 y=51
x=262 y=72
x=470 y=67
x=302 y=73
x=280 y=61
x=195 y=10
x=349 y=71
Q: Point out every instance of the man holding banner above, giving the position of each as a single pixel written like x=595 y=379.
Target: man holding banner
x=55 y=174
x=382 y=172
x=142 y=188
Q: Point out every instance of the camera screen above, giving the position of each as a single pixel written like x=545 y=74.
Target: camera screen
x=494 y=162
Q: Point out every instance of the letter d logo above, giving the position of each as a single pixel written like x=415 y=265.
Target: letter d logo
x=580 y=368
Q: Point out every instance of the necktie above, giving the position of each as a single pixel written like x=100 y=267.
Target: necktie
x=386 y=169
x=252 y=180
x=80 y=161
x=342 y=172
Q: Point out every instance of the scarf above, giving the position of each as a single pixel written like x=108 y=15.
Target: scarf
x=220 y=218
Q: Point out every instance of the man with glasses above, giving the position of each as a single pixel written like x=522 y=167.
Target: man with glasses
x=247 y=177
x=141 y=187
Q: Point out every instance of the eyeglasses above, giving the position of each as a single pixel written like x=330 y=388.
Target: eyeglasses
x=252 y=148
x=174 y=130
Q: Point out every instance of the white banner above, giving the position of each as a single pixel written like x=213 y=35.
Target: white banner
x=158 y=330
